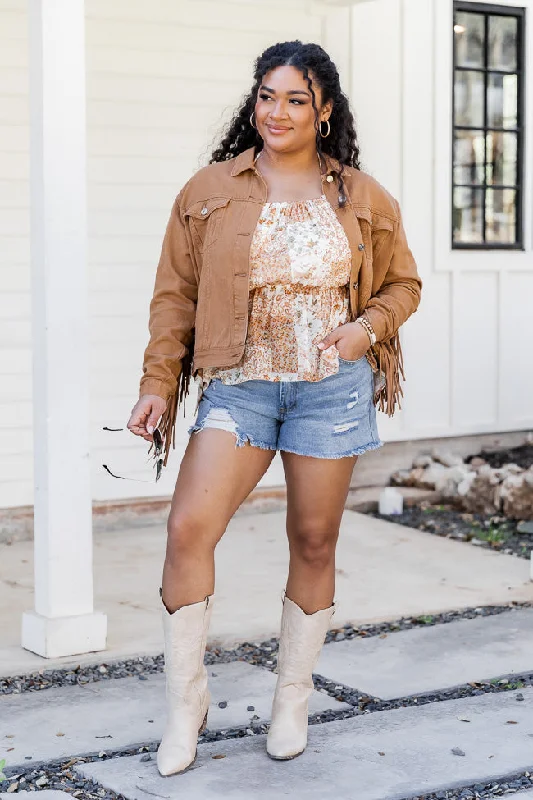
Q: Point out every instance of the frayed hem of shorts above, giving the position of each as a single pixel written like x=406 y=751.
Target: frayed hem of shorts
x=358 y=451
x=240 y=439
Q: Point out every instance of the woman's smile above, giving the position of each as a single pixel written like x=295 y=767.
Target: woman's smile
x=277 y=129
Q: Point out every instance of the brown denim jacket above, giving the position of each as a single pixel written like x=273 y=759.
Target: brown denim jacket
x=199 y=308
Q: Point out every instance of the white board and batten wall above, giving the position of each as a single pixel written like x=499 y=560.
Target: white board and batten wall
x=467 y=348
x=162 y=77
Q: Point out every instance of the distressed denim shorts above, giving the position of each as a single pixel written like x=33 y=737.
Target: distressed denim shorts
x=331 y=418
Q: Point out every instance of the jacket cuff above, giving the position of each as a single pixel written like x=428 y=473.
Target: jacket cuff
x=155 y=386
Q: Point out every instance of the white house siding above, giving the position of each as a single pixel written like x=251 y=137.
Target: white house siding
x=16 y=467
x=162 y=77
x=467 y=348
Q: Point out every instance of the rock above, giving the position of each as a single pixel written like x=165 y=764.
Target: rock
x=458 y=752
x=446 y=458
x=401 y=478
x=525 y=527
x=422 y=461
x=464 y=487
x=509 y=469
x=451 y=478
x=427 y=478
x=516 y=495
x=482 y=495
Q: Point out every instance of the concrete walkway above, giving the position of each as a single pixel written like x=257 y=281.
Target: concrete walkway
x=381 y=756
x=384 y=571
x=385 y=754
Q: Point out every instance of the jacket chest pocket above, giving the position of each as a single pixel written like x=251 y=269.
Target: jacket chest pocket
x=375 y=230
x=205 y=221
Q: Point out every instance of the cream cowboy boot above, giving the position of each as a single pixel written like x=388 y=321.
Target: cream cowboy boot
x=301 y=639
x=187 y=693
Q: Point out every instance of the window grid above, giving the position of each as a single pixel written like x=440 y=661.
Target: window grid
x=487 y=11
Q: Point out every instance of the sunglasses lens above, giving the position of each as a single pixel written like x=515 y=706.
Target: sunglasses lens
x=158 y=442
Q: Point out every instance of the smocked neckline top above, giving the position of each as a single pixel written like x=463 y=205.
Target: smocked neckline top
x=300 y=261
x=295 y=202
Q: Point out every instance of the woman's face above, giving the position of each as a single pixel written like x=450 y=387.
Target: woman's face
x=284 y=113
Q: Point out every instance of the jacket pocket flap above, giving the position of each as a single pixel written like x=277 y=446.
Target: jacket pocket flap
x=203 y=208
x=374 y=218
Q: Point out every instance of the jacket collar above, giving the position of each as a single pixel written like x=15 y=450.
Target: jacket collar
x=245 y=160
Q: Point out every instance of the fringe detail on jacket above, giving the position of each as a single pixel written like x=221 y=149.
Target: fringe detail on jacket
x=388 y=359
x=167 y=424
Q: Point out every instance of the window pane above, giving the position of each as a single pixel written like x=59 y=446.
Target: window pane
x=502 y=101
x=501 y=216
x=503 y=42
x=468 y=216
x=469 y=30
x=469 y=99
x=501 y=158
x=469 y=157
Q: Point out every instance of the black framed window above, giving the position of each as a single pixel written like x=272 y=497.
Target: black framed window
x=488 y=115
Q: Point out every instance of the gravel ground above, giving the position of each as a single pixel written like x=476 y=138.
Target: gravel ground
x=494 y=532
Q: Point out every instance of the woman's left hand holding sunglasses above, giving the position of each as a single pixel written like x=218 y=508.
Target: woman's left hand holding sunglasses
x=145 y=415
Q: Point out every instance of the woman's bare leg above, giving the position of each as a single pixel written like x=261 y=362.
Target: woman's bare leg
x=316 y=493
x=214 y=479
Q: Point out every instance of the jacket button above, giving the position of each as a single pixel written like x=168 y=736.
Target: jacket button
x=355 y=285
x=330 y=179
x=361 y=247
x=204 y=210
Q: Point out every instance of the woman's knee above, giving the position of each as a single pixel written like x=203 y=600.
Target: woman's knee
x=185 y=534
x=314 y=545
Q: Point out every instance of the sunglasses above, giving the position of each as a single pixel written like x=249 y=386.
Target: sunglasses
x=157 y=445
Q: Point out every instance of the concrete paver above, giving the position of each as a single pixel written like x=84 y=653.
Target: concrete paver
x=384 y=571
x=427 y=659
x=379 y=756
x=119 y=713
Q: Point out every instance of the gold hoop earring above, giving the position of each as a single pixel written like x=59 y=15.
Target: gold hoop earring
x=251 y=123
x=325 y=135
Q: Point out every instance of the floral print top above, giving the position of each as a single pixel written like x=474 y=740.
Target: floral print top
x=300 y=263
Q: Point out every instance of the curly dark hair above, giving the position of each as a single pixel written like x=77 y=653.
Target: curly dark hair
x=309 y=58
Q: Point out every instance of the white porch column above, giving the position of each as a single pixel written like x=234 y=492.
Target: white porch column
x=64 y=621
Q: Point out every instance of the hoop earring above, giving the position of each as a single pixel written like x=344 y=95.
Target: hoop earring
x=325 y=135
x=251 y=123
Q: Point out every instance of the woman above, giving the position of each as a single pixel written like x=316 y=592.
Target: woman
x=284 y=276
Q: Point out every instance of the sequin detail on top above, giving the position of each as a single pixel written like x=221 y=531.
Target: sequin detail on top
x=300 y=261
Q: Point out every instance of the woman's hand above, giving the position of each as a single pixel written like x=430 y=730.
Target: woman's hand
x=145 y=415
x=351 y=341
